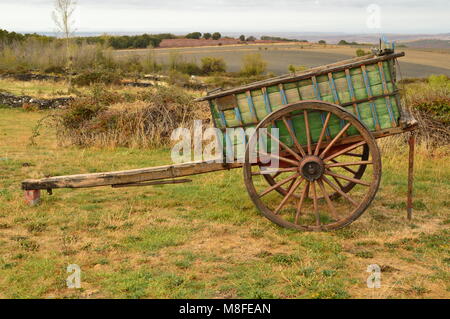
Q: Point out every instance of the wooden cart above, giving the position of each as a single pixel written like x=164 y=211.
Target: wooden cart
x=327 y=121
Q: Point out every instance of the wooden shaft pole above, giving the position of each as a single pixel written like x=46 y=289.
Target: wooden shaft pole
x=409 y=204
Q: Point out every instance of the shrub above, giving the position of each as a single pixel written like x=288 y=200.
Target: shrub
x=102 y=119
x=253 y=64
x=178 y=78
x=361 y=52
x=207 y=35
x=297 y=68
x=430 y=103
x=212 y=65
x=104 y=77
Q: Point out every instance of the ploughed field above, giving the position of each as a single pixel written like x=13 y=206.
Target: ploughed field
x=279 y=56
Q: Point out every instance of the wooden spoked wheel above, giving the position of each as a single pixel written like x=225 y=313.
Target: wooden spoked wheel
x=323 y=185
x=361 y=152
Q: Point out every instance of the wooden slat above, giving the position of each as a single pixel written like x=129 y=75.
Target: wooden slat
x=335 y=67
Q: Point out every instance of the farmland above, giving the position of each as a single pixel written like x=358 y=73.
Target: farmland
x=416 y=63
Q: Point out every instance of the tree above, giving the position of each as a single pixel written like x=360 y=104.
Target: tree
x=242 y=38
x=322 y=42
x=194 y=35
x=207 y=35
x=343 y=42
x=62 y=16
x=251 y=39
x=216 y=36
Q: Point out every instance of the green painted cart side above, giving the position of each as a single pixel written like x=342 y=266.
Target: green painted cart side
x=364 y=86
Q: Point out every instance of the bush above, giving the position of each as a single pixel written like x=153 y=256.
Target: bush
x=178 y=78
x=96 y=77
x=212 y=65
x=102 y=119
x=430 y=103
x=207 y=35
x=297 y=68
x=361 y=52
x=253 y=64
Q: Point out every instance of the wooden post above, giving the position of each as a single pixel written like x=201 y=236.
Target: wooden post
x=409 y=204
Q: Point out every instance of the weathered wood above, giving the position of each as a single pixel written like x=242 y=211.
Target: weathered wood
x=127 y=177
x=409 y=202
x=164 y=182
x=335 y=67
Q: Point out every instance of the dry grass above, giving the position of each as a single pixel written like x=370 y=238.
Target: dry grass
x=206 y=239
x=108 y=119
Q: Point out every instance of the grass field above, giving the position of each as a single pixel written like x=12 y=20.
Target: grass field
x=206 y=239
x=416 y=63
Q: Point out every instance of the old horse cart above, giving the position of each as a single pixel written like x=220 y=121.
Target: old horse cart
x=328 y=119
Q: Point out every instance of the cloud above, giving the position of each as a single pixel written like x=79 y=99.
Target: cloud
x=414 y=16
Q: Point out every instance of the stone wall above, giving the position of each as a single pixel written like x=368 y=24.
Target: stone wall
x=13 y=101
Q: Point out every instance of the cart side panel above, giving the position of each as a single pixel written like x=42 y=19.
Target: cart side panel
x=367 y=91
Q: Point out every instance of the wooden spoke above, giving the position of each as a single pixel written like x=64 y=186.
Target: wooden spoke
x=337 y=164
x=280 y=183
x=294 y=138
x=350 y=179
x=316 y=208
x=337 y=189
x=281 y=158
x=277 y=172
x=289 y=194
x=348 y=169
x=345 y=150
x=287 y=148
x=308 y=133
x=338 y=136
x=276 y=175
x=322 y=134
x=300 y=202
x=354 y=154
x=338 y=182
x=328 y=200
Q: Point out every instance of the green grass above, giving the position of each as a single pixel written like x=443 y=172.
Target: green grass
x=205 y=239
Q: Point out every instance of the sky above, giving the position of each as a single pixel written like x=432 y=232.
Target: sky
x=180 y=16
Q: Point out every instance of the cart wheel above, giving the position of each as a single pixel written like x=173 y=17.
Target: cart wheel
x=314 y=173
x=345 y=186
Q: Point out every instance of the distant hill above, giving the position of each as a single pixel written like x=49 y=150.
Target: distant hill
x=428 y=43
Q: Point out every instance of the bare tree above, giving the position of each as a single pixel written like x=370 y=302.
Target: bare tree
x=63 y=17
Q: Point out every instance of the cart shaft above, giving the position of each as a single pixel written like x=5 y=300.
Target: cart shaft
x=127 y=177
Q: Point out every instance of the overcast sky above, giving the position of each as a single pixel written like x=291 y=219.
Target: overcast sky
x=399 y=16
